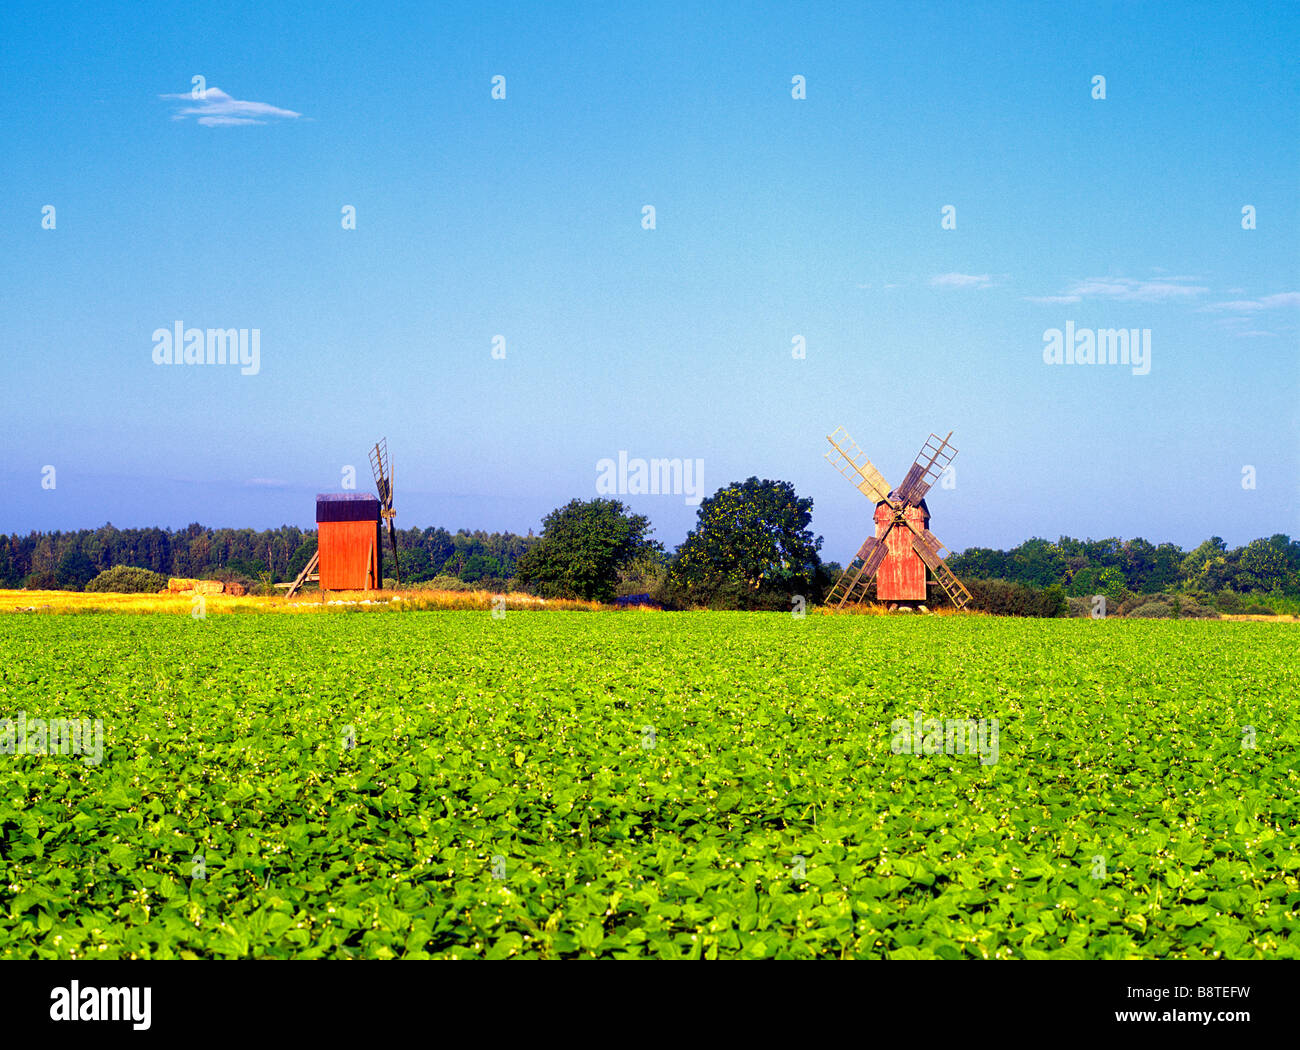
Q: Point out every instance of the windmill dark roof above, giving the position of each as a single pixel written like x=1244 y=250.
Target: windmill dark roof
x=346 y=506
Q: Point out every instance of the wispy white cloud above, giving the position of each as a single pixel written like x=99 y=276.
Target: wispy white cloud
x=1263 y=302
x=1167 y=289
x=217 y=109
x=1136 y=290
x=1126 y=290
x=268 y=483
x=962 y=280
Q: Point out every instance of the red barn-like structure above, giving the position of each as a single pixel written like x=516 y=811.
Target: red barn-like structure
x=902 y=575
x=348 y=541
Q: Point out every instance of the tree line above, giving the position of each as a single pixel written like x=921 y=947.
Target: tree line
x=1114 y=566
x=751 y=548
x=70 y=560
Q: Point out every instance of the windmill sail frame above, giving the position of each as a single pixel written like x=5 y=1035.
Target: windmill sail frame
x=934 y=458
x=382 y=468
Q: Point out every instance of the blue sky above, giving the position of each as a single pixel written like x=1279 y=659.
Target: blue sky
x=775 y=218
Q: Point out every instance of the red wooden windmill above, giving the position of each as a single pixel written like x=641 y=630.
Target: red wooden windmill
x=903 y=546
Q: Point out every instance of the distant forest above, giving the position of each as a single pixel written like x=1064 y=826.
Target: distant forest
x=1114 y=567
x=69 y=560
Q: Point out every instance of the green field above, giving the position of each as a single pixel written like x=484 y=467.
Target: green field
x=672 y=785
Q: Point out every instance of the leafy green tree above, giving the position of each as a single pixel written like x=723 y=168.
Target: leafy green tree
x=1288 y=546
x=1037 y=562
x=1164 y=567
x=1196 y=560
x=75 y=570
x=646 y=574
x=1104 y=553
x=417 y=564
x=1139 y=562
x=751 y=536
x=1111 y=583
x=1210 y=567
x=1085 y=582
x=979 y=563
x=1262 y=567
x=480 y=567
x=246 y=568
x=300 y=558
x=583 y=547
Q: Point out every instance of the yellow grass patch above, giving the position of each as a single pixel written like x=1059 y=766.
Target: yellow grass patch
x=76 y=602
x=184 y=603
x=874 y=609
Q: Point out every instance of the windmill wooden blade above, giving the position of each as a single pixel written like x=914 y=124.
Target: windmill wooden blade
x=852 y=462
x=853 y=583
x=933 y=459
x=383 y=474
x=933 y=552
x=382 y=468
x=392 y=538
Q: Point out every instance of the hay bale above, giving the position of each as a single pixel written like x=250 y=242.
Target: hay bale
x=236 y=589
x=179 y=586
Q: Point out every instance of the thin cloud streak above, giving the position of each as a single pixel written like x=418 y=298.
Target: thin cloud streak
x=962 y=280
x=217 y=109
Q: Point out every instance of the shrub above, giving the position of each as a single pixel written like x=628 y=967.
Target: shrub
x=1192 y=611
x=1136 y=601
x=719 y=594
x=443 y=582
x=1258 y=610
x=1281 y=603
x=1016 y=599
x=1228 y=601
x=1152 y=611
x=41 y=581
x=1079 y=607
x=128 y=579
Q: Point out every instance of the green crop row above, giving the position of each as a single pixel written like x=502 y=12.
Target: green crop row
x=618 y=785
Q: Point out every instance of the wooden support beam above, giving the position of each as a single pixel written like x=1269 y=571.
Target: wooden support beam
x=307 y=573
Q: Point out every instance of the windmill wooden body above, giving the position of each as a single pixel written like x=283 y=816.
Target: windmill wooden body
x=903 y=547
x=347 y=541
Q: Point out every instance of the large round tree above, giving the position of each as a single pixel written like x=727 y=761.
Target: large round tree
x=583 y=547
x=751 y=546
